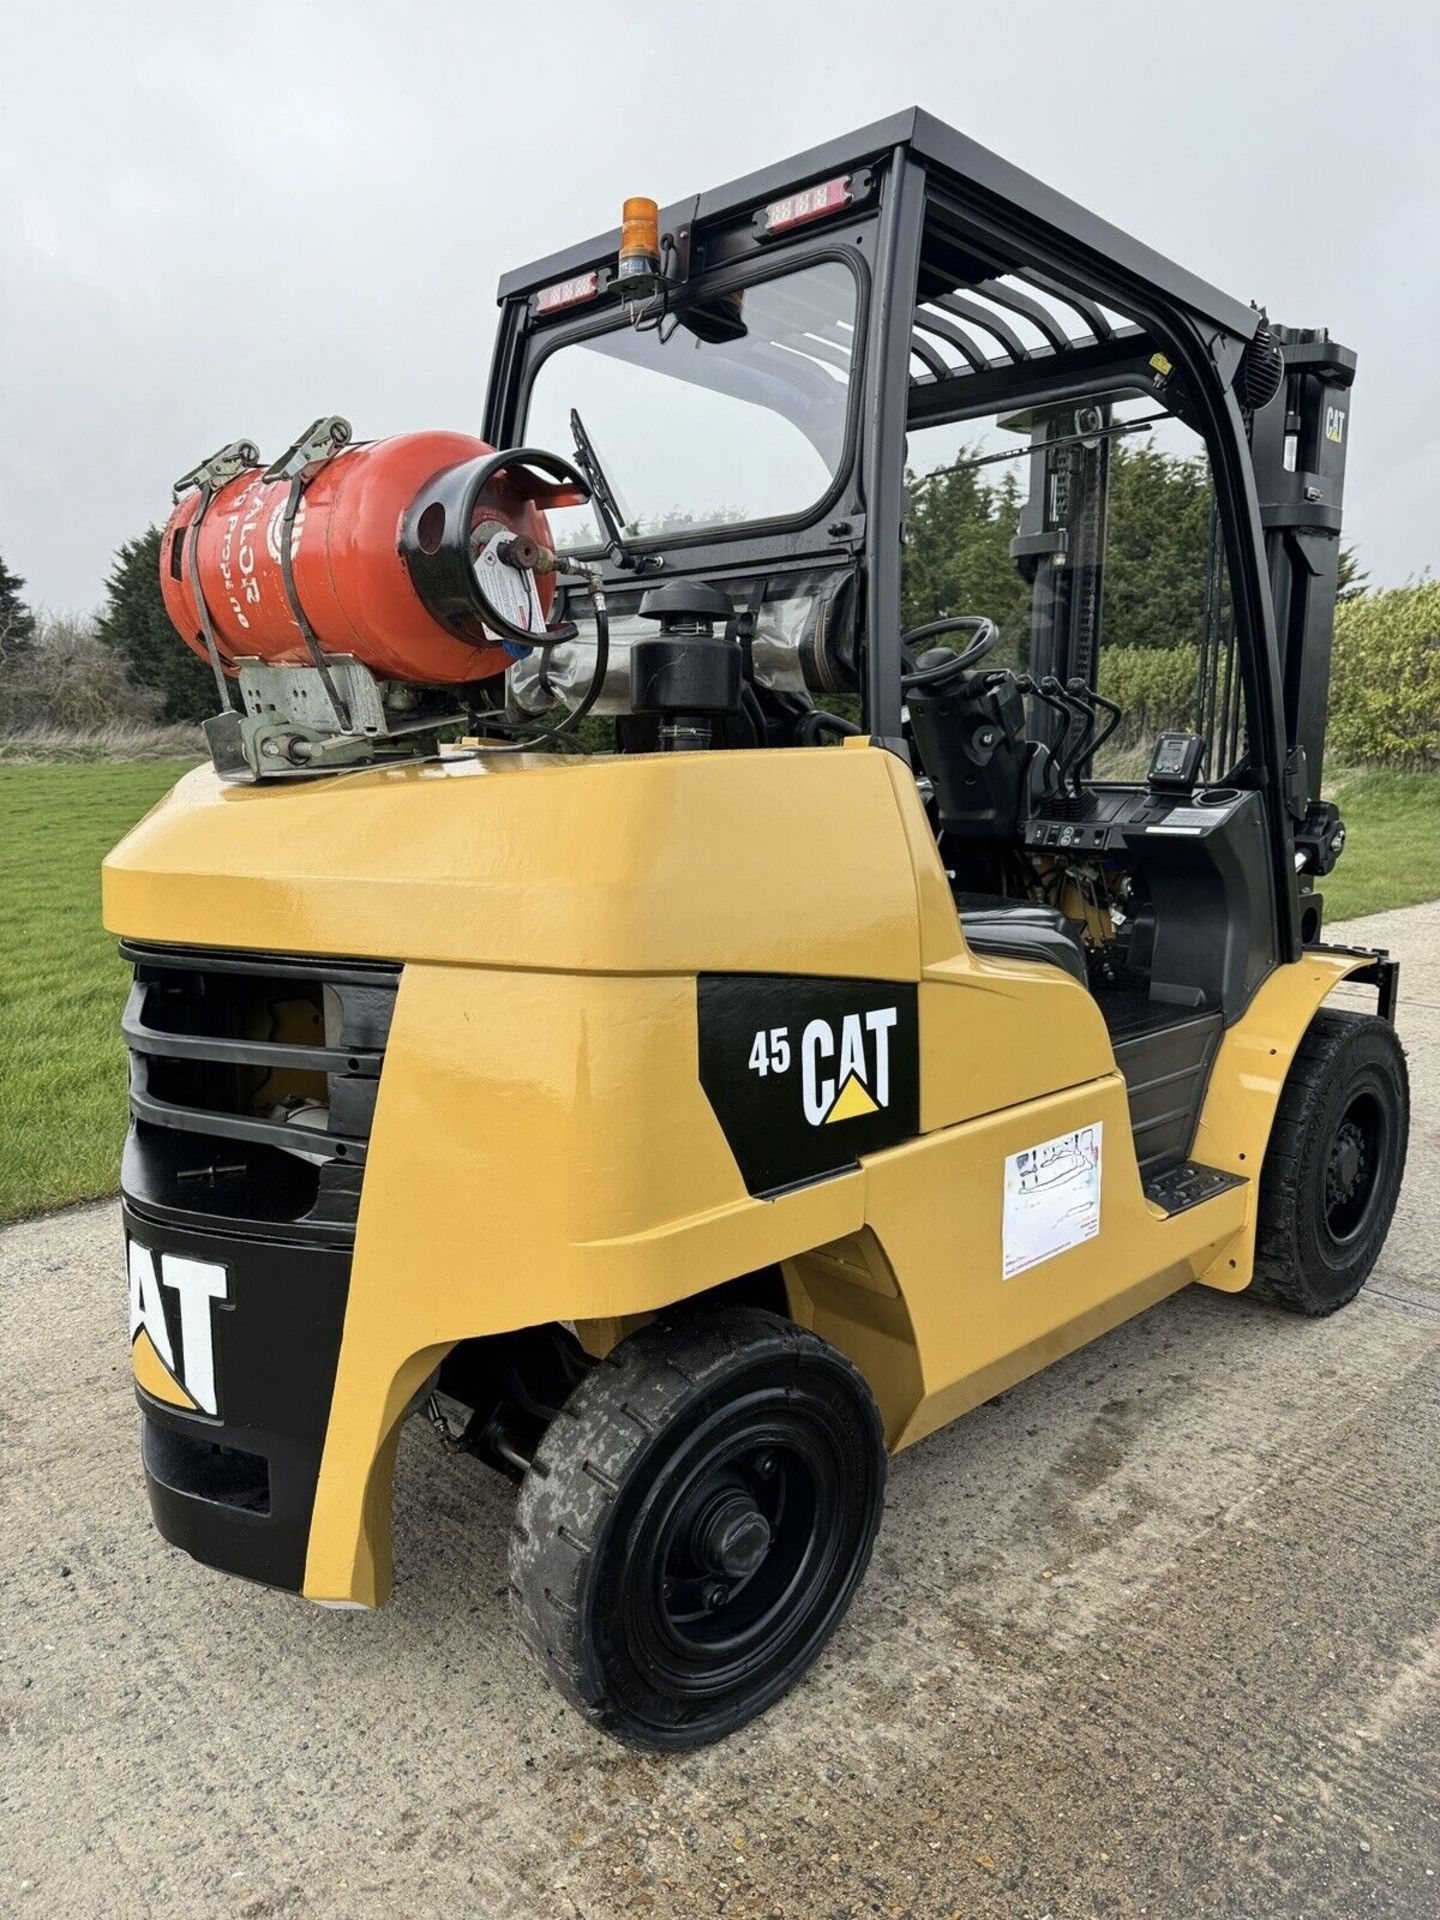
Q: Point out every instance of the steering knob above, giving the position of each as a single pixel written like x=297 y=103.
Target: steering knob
x=933 y=659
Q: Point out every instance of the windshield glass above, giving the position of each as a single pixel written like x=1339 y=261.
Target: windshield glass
x=1136 y=570
x=696 y=433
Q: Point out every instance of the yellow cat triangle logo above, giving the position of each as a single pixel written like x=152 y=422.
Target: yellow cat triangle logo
x=851 y=1103
x=154 y=1376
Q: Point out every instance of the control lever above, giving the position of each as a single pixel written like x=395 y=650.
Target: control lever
x=1050 y=770
x=1075 y=713
x=1095 y=740
x=1078 y=693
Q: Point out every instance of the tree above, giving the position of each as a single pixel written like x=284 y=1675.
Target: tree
x=68 y=680
x=17 y=622
x=957 y=554
x=1157 y=548
x=134 y=622
x=1353 y=579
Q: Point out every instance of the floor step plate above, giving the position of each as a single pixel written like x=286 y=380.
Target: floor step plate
x=1188 y=1185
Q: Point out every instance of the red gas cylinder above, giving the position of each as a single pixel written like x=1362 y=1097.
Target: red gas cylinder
x=351 y=576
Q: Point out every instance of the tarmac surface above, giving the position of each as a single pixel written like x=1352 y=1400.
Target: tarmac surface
x=1155 y=1634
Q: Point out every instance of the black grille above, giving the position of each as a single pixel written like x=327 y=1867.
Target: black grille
x=253 y=1081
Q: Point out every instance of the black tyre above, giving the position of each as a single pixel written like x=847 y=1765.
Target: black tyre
x=1334 y=1164
x=695 y=1522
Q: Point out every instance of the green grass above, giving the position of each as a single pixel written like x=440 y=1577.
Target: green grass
x=1392 y=853
x=62 y=984
x=62 y=1068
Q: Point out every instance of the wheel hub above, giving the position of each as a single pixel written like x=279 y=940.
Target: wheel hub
x=1347 y=1163
x=732 y=1536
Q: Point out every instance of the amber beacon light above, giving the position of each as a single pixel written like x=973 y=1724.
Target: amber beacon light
x=638 y=268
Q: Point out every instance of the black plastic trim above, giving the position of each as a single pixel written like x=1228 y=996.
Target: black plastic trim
x=199 y=1159
x=269 y=1053
x=1167 y=1067
x=237 y=1491
x=234 y=1126
x=283 y=966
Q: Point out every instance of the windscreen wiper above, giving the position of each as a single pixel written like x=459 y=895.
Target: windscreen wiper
x=602 y=495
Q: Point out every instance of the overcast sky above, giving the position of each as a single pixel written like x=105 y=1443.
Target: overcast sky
x=218 y=221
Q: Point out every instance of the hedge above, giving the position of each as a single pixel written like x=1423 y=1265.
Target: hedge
x=1384 y=682
x=1153 y=686
x=1385 y=679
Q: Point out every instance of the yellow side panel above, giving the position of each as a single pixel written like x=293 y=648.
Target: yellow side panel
x=996 y=1032
x=936 y=1207
x=542 y=1150
x=940 y=936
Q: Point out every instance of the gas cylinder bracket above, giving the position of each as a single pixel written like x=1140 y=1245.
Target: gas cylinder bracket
x=284 y=731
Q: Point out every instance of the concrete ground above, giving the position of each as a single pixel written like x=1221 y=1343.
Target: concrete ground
x=1157 y=1633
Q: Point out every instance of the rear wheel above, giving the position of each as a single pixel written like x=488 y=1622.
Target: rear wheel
x=1333 y=1168
x=695 y=1523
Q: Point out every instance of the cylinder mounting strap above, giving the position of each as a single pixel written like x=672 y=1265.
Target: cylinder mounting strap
x=299 y=464
x=207 y=626
x=217 y=470
x=292 y=597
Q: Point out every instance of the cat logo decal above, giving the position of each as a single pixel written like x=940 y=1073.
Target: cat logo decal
x=172 y=1296
x=805 y=1075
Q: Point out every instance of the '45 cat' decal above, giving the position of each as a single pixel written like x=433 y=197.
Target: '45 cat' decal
x=806 y=1075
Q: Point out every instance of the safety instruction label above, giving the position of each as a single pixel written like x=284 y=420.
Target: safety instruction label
x=1052 y=1198
x=1190 y=819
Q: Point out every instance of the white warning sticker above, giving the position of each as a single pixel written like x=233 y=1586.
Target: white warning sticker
x=1052 y=1198
x=510 y=590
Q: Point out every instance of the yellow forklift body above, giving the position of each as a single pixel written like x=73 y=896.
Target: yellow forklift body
x=543 y=1149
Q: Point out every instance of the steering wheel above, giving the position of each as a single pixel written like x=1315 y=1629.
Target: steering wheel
x=987 y=638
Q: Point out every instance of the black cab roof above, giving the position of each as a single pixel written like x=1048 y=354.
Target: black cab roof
x=965 y=168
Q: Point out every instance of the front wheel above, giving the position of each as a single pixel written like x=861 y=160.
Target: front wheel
x=1333 y=1168
x=695 y=1522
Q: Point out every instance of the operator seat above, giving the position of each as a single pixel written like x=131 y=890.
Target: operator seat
x=1020 y=930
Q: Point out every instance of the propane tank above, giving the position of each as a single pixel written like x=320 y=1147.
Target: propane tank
x=352 y=579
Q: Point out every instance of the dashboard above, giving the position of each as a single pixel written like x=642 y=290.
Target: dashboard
x=1113 y=819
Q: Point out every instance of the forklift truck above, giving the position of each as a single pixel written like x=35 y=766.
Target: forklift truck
x=690 y=1119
